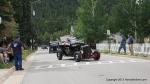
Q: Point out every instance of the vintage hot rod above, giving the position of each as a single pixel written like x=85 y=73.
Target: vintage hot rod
x=76 y=49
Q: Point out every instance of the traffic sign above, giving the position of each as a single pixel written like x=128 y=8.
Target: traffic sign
x=108 y=32
x=0 y=19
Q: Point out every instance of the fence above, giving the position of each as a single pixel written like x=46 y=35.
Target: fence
x=138 y=48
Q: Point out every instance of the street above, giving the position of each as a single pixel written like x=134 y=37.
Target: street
x=46 y=69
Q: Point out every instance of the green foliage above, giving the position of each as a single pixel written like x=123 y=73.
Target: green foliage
x=17 y=7
x=125 y=16
x=91 y=19
x=143 y=21
x=124 y=12
x=130 y=17
x=26 y=53
x=46 y=37
x=10 y=64
x=8 y=28
x=56 y=35
x=6 y=66
x=52 y=17
x=25 y=29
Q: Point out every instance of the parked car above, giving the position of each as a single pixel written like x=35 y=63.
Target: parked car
x=76 y=49
x=53 y=46
x=44 y=47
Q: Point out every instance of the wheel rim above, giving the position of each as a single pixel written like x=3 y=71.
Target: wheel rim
x=76 y=57
x=58 y=54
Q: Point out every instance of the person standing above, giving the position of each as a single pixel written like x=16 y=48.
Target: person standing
x=17 y=48
x=122 y=44
x=130 y=43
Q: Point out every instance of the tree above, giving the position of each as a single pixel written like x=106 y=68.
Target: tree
x=132 y=17
x=25 y=29
x=8 y=28
x=54 y=17
x=143 y=19
x=91 y=21
x=22 y=14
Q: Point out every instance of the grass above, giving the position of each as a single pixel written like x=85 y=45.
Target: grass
x=6 y=66
x=25 y=54
x=105 y=51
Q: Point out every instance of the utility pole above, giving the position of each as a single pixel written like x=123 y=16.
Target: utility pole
x=93 y=6
x=138 y=2
x=33 y=13
x=109 y=41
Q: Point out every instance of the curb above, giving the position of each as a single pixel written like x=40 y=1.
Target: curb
x=127 y=56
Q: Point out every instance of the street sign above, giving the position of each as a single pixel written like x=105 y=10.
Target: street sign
x=33 y=12
x=32 y=40
x=108 y=32
x=72 y=29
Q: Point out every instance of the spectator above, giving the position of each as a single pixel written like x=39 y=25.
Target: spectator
x=130 y=43
x=17 y=48
x=6 y=58
x=3 y=55
x=122 y=44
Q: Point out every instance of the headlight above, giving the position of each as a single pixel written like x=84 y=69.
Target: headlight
x=81 y=51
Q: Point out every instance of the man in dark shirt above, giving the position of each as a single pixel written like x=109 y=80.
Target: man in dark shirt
x=130 y=43
x=122 y=44
x=16 y=46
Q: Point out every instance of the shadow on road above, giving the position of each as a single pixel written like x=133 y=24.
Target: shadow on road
x=83 y=60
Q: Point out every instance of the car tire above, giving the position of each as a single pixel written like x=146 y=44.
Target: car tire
x=96 y=55
x=59 y=55
x=77 y=56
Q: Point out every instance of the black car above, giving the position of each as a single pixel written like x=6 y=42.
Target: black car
x=44 y=47
x=53 y=46
x=78 y=50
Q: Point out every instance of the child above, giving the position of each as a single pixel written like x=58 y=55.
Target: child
x=3 y=55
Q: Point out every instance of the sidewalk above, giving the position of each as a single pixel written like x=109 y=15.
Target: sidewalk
x=5 y=73
x=147 y=58
x=10 y=76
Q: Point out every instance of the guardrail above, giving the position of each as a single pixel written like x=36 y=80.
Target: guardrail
x=138 y=48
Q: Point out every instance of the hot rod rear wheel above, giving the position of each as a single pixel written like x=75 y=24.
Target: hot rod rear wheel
x=96 y=55
x=77 y=56
x=59 y=55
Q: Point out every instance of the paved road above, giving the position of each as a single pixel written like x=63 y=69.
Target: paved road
x=46 y=69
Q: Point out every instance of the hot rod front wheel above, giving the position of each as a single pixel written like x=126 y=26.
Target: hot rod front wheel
x=59 y=55
x=96 y=55
x=77 y=56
